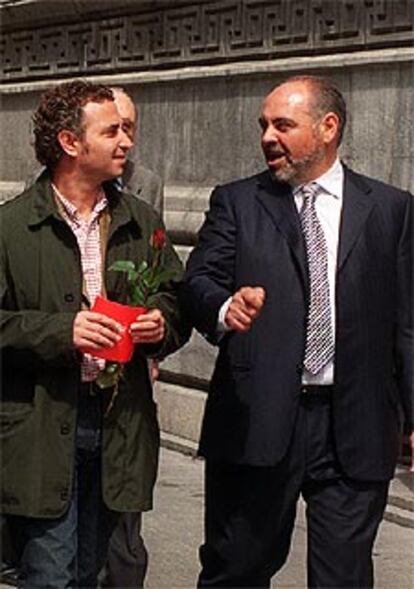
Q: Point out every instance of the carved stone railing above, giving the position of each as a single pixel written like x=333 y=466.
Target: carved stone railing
x=136 y=36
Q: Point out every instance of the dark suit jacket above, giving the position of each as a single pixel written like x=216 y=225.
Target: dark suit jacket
x=142 y=182
x=252 y=236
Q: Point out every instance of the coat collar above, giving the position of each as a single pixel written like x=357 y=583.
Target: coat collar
x=356 y=209
x=277 y=199
x=43 y=204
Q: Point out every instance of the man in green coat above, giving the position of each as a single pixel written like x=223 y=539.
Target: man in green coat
x=73 y=455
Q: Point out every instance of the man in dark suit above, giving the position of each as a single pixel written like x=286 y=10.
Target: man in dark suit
x=303 y=275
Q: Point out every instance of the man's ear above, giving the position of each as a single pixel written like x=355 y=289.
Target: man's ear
x=330 y=127
x=69 y=142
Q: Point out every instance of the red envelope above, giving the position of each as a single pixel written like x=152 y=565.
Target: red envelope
x=124 y=314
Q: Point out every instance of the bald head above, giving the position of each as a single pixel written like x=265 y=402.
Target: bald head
x=127 y=111
x=321 y=96
x=301 y=129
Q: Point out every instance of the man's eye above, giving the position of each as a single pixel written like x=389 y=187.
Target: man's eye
x=283 y=127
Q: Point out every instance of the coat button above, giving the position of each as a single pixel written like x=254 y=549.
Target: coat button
x=69 y=297
x=299 y=368
x=65 y=429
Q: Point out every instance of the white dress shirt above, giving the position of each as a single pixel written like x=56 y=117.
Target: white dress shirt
x=328 y=206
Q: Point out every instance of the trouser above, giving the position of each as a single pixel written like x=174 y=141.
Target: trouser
x=70 y=550
x=250 y=512
x=127 y=559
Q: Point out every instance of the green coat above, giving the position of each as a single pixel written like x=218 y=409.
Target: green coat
x=40 y=291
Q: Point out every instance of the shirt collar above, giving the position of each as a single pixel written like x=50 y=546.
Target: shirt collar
x=72 y=211
x=331 y=181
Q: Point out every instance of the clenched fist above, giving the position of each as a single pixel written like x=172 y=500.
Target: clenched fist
x=244 y=308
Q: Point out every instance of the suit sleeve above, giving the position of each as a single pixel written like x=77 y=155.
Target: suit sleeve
x=405 y=315
x=209 y=278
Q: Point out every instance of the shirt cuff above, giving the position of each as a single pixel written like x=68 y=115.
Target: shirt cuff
x=222 y=327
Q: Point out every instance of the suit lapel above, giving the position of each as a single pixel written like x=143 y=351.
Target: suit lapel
x=278 y=201
x=355 y=211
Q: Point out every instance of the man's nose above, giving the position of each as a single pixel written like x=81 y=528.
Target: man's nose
x=126 y=141
x=269 y=135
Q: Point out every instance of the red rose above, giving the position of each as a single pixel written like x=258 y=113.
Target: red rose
x=158 y=239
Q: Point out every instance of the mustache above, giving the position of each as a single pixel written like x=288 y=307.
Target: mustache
x=272 y=151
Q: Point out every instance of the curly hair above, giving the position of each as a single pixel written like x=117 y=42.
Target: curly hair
x=61 y=108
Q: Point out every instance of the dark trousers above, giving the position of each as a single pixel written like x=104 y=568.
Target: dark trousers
x=250 y=512
x=127 y=559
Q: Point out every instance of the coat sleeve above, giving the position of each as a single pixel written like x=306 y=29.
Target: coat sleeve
x=31 y=336
x=404 y=341
x=209 y=279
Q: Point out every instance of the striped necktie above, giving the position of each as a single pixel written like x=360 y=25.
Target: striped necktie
x=319 y=348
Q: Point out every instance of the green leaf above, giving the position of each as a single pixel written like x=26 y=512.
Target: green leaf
x=143 y=266
x=110 y=375
x=146 y=274
x=132 y=275
x=137 y=295
x=123 y=266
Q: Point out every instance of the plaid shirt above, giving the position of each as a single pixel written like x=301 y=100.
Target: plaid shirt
x=87 y=235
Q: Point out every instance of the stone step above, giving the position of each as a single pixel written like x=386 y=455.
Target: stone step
x=399 y=511
x=401 y=502
x=178 y=444
x=180 y=410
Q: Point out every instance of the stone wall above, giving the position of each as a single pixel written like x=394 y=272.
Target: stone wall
x=125 y=35
x=199 y=71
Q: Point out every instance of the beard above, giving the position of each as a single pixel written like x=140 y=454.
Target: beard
x=295 y=171
x=298 y=170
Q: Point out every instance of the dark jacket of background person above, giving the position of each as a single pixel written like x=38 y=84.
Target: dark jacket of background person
x=252 y=236
x=40 y=288
x=145 y=184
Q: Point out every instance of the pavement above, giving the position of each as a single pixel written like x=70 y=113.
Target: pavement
x=173 y=531
x=400 y=508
